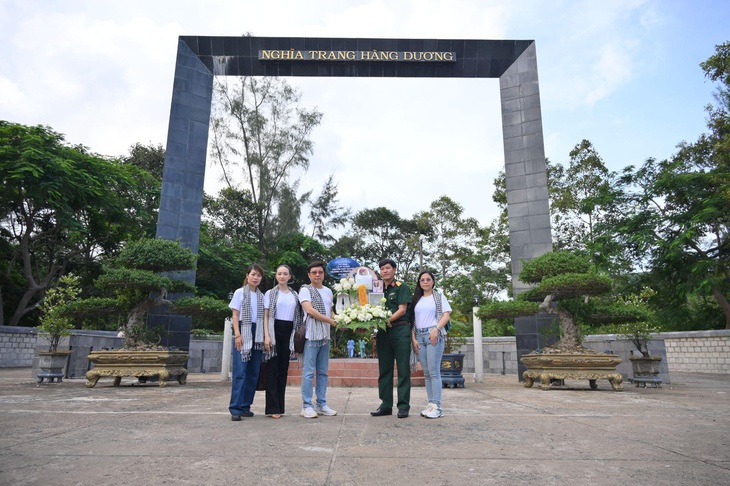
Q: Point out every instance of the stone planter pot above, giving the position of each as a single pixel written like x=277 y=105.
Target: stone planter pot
x=140 y=364
x=643 y=366
x=591 y=367
x=451 y=368
x=646 y=370
x=52 y=364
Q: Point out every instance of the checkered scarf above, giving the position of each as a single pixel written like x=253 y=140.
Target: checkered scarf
x=245 y=322
x=317 y=332
x=298 y=321
x=439 y=309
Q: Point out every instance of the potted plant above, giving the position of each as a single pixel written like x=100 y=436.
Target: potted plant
x=638 y=332
x=645 y=366
x=142 y=277
x=55 y=324
x=565 y=285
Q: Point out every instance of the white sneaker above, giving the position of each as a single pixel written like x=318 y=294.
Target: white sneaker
x=430 y=407
x=325 y=410
x=434 y=413
x=308 y=412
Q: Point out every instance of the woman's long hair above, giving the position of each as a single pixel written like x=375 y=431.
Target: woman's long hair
x=418 y=293
x=256 y=267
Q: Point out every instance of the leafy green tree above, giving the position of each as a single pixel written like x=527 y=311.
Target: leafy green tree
x=151 y=159
x=481 y=274
x=676 y=212
x=261 y=136
x=325 y=214
x=60 y=208
x=584 y=208
x=230 y=216
x=141 y=277
x=52 y=319
x=382 y=233
x=289 y=211
x=462 y=253
x=452 y=237
x=222 y=262
x=296 y=250
x=565 y=285
x=577 y=192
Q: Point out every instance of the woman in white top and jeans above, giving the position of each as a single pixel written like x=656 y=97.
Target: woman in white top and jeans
x=247 y=306
x=431 y=312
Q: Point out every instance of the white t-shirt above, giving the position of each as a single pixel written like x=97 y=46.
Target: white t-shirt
x=286 y=303
x=319 y=330
x=326 y=295
x=237 y=300
x=425 y=310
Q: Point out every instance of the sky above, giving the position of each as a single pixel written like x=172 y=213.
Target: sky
x=623 y=74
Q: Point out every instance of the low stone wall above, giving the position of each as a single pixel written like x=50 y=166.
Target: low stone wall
x=499 y=353
x=17 y=346
x=613 y=344
x=205 y=356
x=698 y=351
x=695 y=352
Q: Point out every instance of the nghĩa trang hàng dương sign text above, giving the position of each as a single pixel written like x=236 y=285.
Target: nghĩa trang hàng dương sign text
x=374 y=55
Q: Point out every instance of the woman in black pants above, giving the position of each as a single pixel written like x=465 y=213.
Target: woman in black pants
x=282 y=315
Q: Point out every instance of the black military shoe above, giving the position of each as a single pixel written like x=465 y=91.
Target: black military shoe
x=402 y=413
x=381 y=412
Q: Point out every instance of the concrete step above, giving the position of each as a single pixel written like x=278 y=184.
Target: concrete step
x=352 y=372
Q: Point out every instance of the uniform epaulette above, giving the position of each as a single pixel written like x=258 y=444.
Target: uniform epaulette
x=397 y=283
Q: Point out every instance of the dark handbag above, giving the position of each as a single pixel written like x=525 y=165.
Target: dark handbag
x=261 y=385
x=447 y=327
x=300 y=335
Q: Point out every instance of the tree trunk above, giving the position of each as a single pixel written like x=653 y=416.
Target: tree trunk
x=570 y=340
x=724 y=305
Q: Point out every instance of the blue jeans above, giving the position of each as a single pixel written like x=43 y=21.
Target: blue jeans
x=316 y=358
x=245 y=378
x=429 y=356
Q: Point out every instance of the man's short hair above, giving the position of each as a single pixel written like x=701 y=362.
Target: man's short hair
x=318 y=263
x=387 y=261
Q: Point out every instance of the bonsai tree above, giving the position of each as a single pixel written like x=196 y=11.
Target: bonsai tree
x=639 y=330
x=53 y=320
x=141 y=277
x=568 y=286
x=639 y=334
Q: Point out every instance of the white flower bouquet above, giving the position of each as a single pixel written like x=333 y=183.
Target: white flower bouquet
x=346 y=286
x=363 y=317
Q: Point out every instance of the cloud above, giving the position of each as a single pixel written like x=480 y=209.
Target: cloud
x=602 y=45
x=13 y=98
x=84 y=76
x=611 y=70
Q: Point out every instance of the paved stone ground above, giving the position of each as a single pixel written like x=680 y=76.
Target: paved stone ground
x=496 y=432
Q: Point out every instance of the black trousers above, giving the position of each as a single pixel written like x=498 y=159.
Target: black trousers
x=277 y=369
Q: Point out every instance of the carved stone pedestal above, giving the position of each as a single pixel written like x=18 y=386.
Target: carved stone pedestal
x=591 y=367
x=140 y=364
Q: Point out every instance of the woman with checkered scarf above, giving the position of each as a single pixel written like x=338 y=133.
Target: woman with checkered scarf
x=282 y=315
x=247 y=306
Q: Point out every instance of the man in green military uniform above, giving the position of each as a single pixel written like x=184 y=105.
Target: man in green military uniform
x=394 y=344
